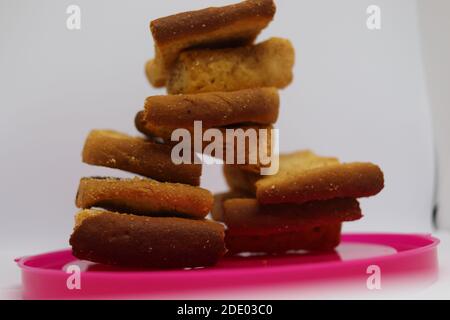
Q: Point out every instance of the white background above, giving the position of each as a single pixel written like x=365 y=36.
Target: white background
x=357 y=94
x=434 y=22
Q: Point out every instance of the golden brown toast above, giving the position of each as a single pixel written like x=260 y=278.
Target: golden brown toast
x=232 y=25
x=214 y=109
x=267 y=64
x=148 y=242
x=144 y=197
x=251 y=159
x=137 y=155
x=247 y=216
x=304 y=176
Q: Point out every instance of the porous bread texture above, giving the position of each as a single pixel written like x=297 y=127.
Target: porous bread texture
x=304 y=176
x=267 y=64
x=112 y=149
x=231 y=25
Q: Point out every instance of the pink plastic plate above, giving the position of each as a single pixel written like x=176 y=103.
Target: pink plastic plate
x=62 y=276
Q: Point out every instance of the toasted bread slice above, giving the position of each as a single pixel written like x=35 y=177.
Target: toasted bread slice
x=309 y=238
x=148 y=242
x=232 y=25
x=137 y=155
x=307 y=177
x=267 y=64
x=144 y=197
x=214 y=109
x=303 y=176
x=247 y=216
x=248 y=145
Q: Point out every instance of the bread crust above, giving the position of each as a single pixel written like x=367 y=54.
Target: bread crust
x=246 y=216
x=275 y=229
x=191 y=24
x=137 y=155
x=144 y=197
x=310 y=238
x=303 y=176
x=346 y=180
x=232 y=25
x=148 y=242
x=163 y=134
x=214 y=109
x=267 y=64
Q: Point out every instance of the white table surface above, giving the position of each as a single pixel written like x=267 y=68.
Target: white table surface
x=10 y=283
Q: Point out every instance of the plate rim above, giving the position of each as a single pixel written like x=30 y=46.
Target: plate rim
x=208 y=271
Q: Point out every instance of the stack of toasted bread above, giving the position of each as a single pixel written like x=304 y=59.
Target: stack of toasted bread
x=214 y=73
x=236 y=84
x=157 y=221
x=301 y=207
